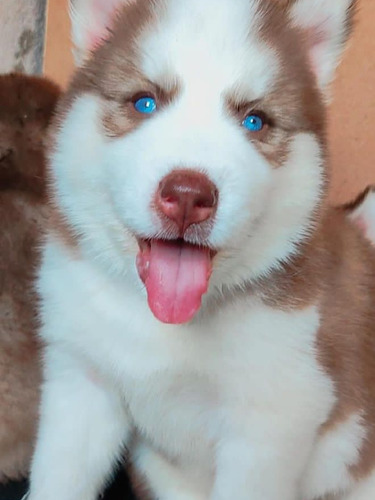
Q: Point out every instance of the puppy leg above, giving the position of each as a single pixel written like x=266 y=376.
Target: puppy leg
x=82 y=429
x=365 y=490
x=163 y=479
x=261 y=461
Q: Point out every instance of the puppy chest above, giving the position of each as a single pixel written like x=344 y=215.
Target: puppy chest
x=176 y=412
x=186 y=413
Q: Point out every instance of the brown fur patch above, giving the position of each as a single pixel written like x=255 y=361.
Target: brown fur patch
x=26 y=106
x=347 y=338
x=59 y=228
x=294 y=104
x=336 y=270
x=120 y=118
x=112 y=73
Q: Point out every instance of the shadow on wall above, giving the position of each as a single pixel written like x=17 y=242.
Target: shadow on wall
x=22 y=30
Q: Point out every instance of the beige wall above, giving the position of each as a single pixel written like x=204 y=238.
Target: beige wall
x=352 y=114
x=58 y=61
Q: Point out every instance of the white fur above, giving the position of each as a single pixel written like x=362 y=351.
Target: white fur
x=338 y=450
x=166 y=480
x=364 y=491
x=243 y=62
x=83 y=428
x=229 y=405
x=242 y=387
x=255 y=236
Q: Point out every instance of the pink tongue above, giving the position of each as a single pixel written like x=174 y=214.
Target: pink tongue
x=176 y=276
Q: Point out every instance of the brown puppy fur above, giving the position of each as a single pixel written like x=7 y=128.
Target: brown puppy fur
x=26 y=106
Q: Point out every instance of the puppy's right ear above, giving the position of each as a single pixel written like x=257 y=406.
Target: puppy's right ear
x=326 y=25
x=91 y=21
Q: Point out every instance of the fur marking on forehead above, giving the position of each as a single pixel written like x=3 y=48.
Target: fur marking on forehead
x=212 y=45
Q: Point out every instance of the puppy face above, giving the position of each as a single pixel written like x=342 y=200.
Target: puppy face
x=200 y=124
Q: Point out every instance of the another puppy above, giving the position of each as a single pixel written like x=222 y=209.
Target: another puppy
x=202 y=303
x=26 y=107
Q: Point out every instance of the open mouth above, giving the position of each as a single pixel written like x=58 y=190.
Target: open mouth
x=176 y=275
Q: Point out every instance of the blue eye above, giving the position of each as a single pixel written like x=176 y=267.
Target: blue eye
x=254 y=123
x=145 y=105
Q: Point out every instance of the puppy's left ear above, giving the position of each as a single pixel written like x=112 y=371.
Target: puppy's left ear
x=327 y=25
x=91 y=22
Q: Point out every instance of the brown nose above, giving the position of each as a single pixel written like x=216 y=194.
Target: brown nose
x=187 y=197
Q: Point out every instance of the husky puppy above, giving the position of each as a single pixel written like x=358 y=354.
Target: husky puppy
x=202 y=305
